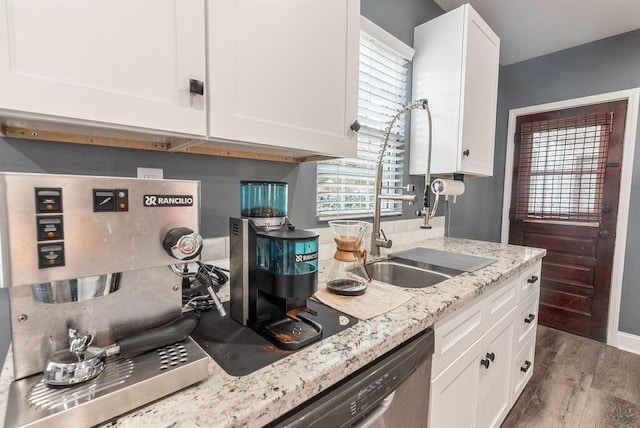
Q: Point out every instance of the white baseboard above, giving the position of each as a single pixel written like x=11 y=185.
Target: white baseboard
x=629 y=342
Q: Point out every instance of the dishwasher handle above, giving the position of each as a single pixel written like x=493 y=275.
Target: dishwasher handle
x=371 y=420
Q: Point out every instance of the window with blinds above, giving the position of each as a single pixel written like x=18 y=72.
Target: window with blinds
x=561 y=171
x=346 y=187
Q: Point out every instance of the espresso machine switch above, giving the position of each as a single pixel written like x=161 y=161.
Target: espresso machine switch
x=48 y=200
x=51 y=255
x=50 y=228
x=182 y=243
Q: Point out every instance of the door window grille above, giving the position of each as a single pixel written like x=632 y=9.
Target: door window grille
x=560 y=174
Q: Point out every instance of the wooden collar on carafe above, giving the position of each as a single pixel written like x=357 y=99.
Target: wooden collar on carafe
x=348 y=249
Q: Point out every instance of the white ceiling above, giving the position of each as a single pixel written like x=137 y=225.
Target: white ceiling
x=530 y=28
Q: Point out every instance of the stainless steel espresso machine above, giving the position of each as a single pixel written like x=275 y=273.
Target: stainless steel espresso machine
x=96 y=316
x=274 y=268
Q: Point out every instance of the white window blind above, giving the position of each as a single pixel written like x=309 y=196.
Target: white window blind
x=346 y=187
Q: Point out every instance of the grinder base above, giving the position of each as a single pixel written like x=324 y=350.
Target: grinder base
x=290 y=334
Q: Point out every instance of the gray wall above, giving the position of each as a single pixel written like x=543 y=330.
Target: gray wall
x=220 y=177
x=604 y=66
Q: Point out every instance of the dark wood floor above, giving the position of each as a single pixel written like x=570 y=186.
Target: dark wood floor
x=578 y=382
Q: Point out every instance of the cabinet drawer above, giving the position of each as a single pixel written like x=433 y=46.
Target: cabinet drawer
x=455 y=335
x=529 y=281
x=526 y=319
x=522 y=369
x=499 y=302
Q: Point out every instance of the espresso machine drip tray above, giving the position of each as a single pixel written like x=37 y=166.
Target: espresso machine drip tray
x=125 y=384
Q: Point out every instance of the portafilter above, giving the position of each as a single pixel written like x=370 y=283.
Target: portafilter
x=82 y=362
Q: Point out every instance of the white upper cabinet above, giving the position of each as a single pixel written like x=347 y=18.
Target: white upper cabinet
x=284 y=73
x=252 y=76
x=108 y=63
x=455 y=68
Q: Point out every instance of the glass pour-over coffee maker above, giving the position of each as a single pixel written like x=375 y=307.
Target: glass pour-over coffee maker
x=348 y=273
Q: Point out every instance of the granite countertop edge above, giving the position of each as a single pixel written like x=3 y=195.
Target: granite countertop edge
x=254 y=400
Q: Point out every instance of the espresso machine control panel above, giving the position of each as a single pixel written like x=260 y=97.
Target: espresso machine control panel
x=50 y=219
x=56 y=227
x=50 y=227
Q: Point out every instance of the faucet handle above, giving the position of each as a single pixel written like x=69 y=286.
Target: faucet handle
x=384 y=242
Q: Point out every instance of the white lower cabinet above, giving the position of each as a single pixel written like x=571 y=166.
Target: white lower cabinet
x=453 y=393
x=484 y=356
x=493 y=379
x=474 y=391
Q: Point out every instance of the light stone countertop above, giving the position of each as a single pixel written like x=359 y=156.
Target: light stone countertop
x=258 y=398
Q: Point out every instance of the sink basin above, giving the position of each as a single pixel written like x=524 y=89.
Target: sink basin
x=409 y=274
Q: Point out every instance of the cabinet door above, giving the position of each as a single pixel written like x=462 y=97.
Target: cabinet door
x=284 y=73
x=112 y=62
x=494 y=387
x=455 y=67
x=454 y=392
x=478 y=110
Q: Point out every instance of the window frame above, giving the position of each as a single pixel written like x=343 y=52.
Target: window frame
x=401 y=49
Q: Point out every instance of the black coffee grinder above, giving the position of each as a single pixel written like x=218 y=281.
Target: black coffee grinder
x=274 y=268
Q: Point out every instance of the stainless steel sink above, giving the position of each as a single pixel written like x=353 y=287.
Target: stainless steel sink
x=409 y=274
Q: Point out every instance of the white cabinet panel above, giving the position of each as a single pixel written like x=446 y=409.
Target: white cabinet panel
x=110 y=62
x=453 y=393
x=456 y=334
x=499 y=302
x=529 y=281
x=526 y=319
x=522 y=368
x=284 y=73
x=478 y=113
x=493 y=384
x=455 y=68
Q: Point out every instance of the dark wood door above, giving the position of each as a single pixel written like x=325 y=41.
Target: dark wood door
x=565 y=199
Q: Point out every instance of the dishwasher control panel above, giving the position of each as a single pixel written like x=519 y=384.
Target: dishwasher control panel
x=373 y=393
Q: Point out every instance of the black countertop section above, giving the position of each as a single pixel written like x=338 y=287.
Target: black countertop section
x=239 y=350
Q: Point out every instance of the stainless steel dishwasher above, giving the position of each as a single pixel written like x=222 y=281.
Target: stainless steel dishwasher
x=390 y=392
